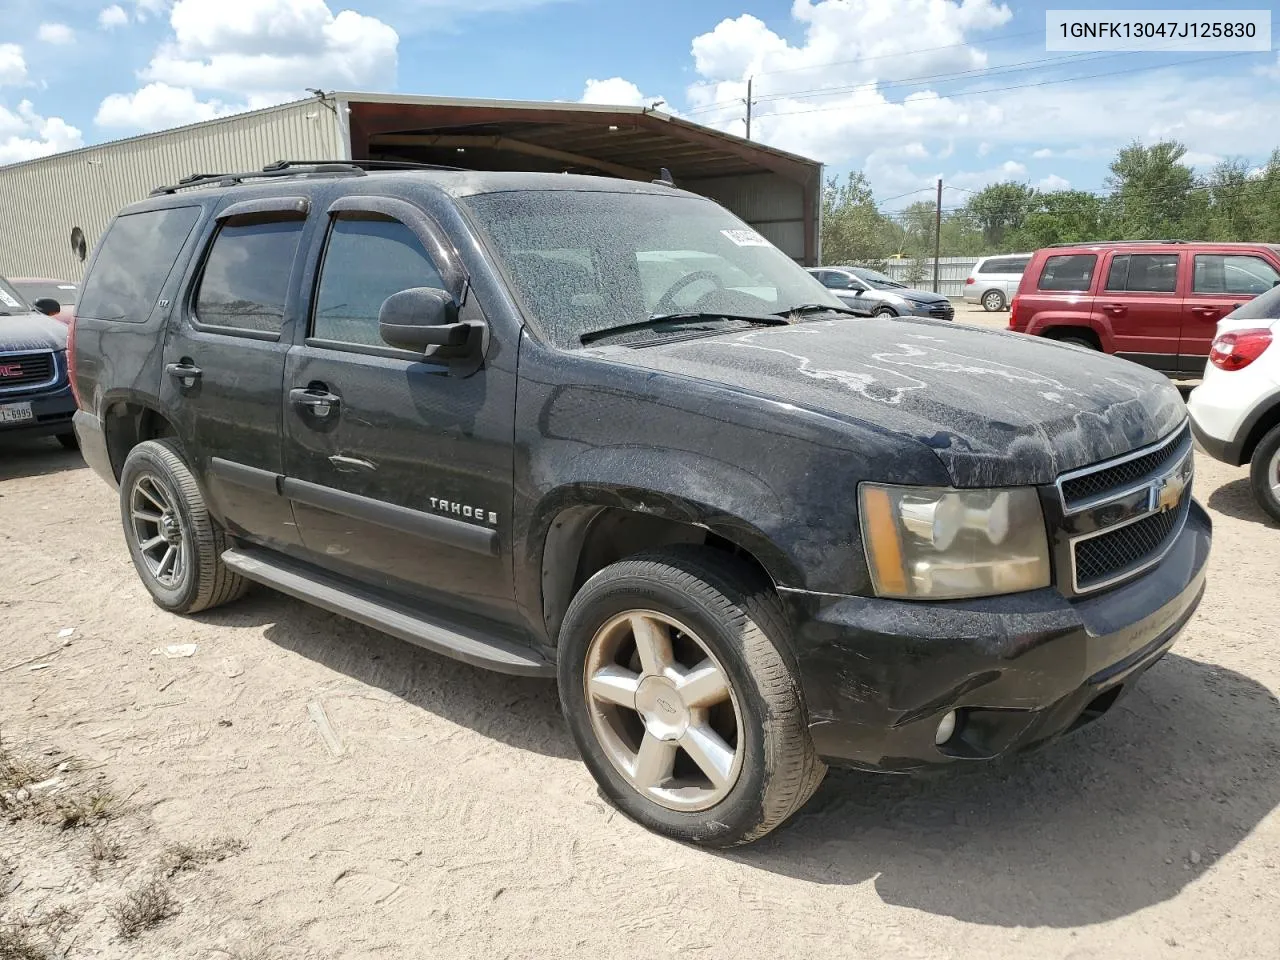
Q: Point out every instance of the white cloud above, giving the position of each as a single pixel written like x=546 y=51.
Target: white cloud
x=618 y=92
x=273 y=49
x=112 y=17
x=25 y=134
x=1053 y=183
x=55 y=33
x=158 y=106
x=1201 y=159
x=143 y=9
x=1044 y=153
x=13 y=65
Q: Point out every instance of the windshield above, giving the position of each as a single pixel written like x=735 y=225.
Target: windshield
x=11 y=301
x=878 y=280
x=64 y=293
x=583 y=261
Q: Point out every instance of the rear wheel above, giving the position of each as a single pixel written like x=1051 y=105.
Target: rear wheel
x=1079 y=342
x=993 y=301
x=176 y=546
x=681 y=702
x=1264 y=473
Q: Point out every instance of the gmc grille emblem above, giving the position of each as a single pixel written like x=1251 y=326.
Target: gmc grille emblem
x=10 y=369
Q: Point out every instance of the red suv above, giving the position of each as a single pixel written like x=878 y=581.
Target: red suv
x=1154 y=302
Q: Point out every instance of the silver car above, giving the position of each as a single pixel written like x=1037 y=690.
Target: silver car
x=994 y=280
x=871 y=293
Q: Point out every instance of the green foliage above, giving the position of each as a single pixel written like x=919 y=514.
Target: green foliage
x=1150 y=194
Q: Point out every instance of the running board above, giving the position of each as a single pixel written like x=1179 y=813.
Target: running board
x=348 y=600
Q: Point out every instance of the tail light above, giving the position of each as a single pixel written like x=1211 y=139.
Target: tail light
x=1013 y=312
x=71 y=357
x=969 y=280
x=1238 y=348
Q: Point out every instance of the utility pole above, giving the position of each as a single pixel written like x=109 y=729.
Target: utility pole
x=937 y=236
x=749 y=82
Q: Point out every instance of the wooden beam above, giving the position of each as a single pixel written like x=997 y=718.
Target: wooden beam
x=510 y=145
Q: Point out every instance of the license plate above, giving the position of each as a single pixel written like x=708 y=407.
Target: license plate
x=15 y=413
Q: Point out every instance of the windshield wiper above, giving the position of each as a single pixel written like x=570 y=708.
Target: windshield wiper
x=815 y=308
x=658 y=319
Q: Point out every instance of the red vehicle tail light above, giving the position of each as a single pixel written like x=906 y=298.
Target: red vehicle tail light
x=1013 y=313
x=1239 y=348
x=969 y=280
x=71 y=357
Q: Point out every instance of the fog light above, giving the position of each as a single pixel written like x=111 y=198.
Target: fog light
x=945 y=729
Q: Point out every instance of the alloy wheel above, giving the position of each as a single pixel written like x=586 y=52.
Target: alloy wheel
x=158 y=530
x=664 y=710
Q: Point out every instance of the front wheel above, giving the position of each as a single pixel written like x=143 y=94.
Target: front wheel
x=175 y=544
x=886 y=312
x=675 y=688
x=1264 y=473
x=993 y=301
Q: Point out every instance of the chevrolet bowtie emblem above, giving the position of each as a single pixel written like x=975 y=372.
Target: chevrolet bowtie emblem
x=1166 y=493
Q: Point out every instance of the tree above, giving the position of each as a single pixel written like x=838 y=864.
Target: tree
x=1063 y=216
x=1151 y=188
x=999 y=210
x=853 y=229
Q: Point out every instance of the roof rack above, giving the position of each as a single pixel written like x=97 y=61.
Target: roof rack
x=296 y=168
x=1113 y=243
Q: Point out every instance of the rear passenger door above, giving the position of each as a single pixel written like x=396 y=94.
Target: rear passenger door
x=1139 y=301
x=1220 y=282
x=400 y=471
x=224 y=364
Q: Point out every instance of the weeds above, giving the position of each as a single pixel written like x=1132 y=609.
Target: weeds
x=144 y=908
x=58 y=921
x=17 y=943
x=72 y=812
x=178 y=857
x=103 y=849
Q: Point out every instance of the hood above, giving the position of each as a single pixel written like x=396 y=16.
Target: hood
x=919 y=296
x=31 y=331
x=996 y=408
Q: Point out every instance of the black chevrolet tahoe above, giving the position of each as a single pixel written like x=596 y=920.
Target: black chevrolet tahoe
x=35 y=395
x=604 y=431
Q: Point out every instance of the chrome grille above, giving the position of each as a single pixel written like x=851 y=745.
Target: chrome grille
x=1122 y=516
x=1081 y=487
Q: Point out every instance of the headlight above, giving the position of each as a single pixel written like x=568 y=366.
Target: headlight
x=936 y=543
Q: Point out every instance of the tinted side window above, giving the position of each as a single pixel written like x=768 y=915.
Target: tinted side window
x=1233 y=274
x=1144 y=273
x=1072 y=271
x=247 y=275
x=366 y=261
x=1019 y=265
x=134 y=262
x=1002 y=266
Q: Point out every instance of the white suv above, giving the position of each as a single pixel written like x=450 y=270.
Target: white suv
x=994 y=280
x=1235 y=412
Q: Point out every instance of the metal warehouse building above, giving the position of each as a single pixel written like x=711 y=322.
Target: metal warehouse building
x=53 y=210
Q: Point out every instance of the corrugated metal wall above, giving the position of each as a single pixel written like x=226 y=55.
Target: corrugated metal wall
x=41 y=201
x=772 y=204
x=952 y=272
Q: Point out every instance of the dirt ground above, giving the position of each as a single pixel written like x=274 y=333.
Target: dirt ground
x=446 y=816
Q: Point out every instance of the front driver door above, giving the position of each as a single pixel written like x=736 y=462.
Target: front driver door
x=850 y=291
x=399 y=471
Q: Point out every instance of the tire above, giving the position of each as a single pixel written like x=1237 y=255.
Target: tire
x=195 y=578
x=886 y=312
x=1079 y=342
x=993 y=301
x=714 y=605
x=69 y=441
x=1264 y=473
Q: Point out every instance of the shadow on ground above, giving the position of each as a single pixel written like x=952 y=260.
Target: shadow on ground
x=1235 y=499
x=1118 y=817
x=1092 y=828
x=31 y=458
x=523 y=712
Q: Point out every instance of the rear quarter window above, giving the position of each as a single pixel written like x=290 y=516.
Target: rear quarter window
x=136 y=257
x=1068 y=272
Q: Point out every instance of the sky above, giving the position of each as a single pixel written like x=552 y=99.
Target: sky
x=905 y=90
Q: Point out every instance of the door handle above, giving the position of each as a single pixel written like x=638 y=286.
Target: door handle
x=316 y=400
x=184 y=370
x=1205 y=311
x=1115 y=308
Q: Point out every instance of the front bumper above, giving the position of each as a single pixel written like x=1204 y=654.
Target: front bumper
x=879 y=675
x=52 y=410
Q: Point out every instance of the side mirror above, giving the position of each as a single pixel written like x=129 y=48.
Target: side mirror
x=423 y=317
x=48 y=306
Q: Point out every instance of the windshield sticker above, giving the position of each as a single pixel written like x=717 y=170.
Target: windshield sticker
x=7 y=300
x=746 y=238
